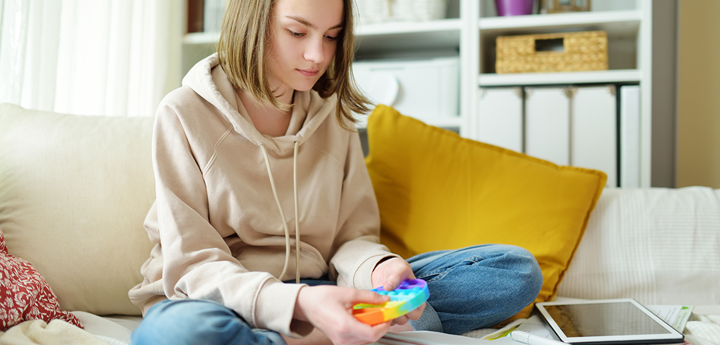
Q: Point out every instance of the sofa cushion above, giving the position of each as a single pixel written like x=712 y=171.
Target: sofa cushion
x=74 y=191
x=657 y=245
x=25 y=295
x=438 y=191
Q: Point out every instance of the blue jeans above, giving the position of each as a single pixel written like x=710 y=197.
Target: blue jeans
x=470 y=288
x=192 y=321
x=475 y=287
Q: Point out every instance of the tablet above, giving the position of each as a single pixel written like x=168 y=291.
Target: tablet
x=613 y=321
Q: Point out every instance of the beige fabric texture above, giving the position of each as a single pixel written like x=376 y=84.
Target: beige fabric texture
x=657 y=245
x=57 y=332
x=74 y=191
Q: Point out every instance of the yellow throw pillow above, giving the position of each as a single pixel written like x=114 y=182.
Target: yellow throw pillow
x=437 y=190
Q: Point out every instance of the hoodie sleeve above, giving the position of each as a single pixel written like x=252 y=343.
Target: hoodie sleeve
x=358 y=240
x=197 y=262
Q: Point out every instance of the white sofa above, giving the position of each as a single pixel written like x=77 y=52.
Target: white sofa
x=74 y=191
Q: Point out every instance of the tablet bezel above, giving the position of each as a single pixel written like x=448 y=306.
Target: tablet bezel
x=673 y=336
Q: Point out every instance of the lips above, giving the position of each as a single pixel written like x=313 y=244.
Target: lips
x=308 y=72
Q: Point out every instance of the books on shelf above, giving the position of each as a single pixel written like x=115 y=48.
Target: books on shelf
x=195 y=16
x=212 y=15
x=204 y=15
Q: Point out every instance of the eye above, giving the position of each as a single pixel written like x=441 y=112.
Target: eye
x=295 y=34
x=331 y=38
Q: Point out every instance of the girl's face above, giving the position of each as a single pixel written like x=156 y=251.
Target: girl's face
x=303 y=40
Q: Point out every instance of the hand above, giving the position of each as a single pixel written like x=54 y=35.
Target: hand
x=389 y=274
x=329 y=309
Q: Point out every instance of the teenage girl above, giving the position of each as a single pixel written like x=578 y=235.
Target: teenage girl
x=265 y=224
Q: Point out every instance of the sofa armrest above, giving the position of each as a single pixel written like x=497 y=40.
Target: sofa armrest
x=74 y=191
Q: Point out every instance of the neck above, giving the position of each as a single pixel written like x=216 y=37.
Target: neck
x=266 y=118
x=287 y=96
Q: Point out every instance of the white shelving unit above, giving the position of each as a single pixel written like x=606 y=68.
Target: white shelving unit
x=413 y=40
x=201 y=38
x=641 y=50
x=431 y=35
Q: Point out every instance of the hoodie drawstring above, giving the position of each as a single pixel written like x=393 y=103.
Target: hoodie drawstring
x=297 y=218
x=282 y=214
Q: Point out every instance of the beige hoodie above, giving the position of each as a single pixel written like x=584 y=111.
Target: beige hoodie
x=224 y=191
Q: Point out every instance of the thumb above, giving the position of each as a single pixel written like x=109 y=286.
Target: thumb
x=370 y=297
x=393 y=281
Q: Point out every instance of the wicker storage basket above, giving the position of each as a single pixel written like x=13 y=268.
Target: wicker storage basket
x=581 y=51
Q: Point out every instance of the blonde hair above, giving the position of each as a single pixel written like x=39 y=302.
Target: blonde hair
x=242 y=51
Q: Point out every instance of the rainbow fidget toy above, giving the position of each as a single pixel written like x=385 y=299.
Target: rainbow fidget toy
x=411 y=294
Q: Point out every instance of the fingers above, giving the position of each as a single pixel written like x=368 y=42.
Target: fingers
x=355 y=332
x=329 y=311
x=401 y=320
x=380 y=329
x=393 y=272
x=368 y=297
x=415 y=314
x=376 y=332
x=395 y=279
x=367 y=333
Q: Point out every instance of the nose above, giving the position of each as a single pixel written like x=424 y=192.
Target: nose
x=315 y=50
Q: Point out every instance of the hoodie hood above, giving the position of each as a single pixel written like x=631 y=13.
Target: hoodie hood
x=208 y=79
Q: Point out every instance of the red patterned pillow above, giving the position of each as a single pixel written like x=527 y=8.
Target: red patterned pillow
x=25 y=295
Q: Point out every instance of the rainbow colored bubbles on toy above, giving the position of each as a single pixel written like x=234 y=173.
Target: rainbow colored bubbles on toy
x=407 y=297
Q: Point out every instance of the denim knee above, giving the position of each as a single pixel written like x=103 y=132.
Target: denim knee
x=197 y=322
x=478 y=286
x=529 y=278
x=516 y=288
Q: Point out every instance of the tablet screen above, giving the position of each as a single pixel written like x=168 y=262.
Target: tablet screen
x=603 y=319
x=610 y=321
